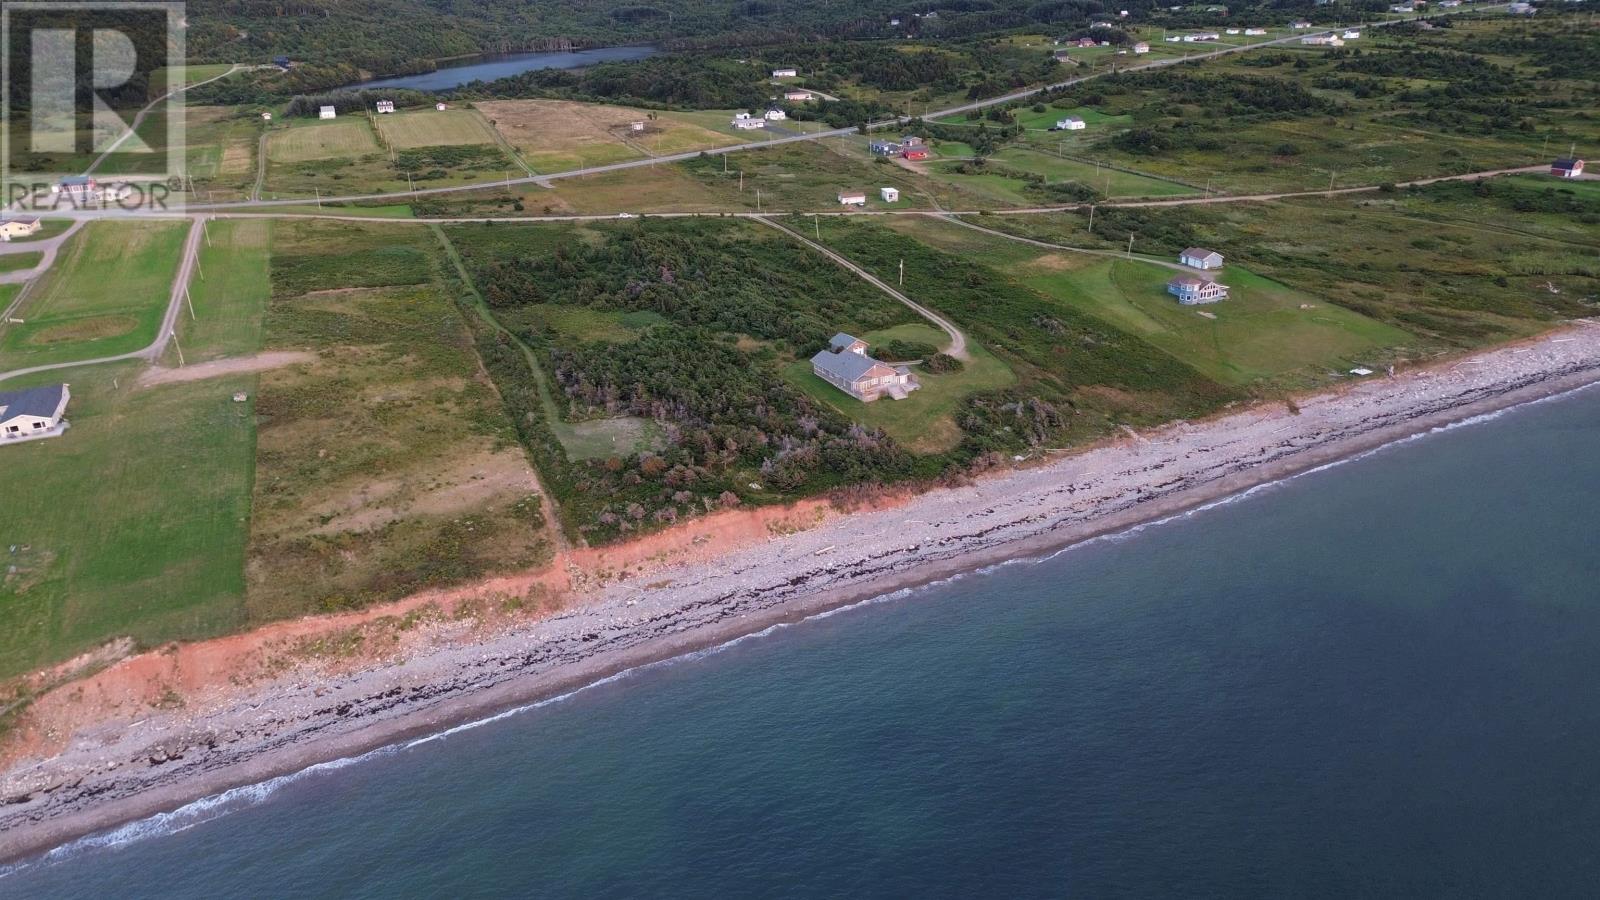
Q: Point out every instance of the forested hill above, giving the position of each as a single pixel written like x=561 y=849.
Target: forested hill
x=402 y=36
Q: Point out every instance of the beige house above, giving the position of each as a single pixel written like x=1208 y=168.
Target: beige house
x=33 y=413
x=846 y=366
x=16 y=227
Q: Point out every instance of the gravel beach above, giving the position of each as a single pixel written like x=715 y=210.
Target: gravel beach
x=158 y=761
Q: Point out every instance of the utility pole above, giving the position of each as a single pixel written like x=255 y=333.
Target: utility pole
x=1330 y=181
x=178 y=347
x=741 y=181
x=758 y=199
x=816 y=223
x=1130 y=246
x=1091 y=218
x=190 y=299
x=902 y=272
x=205 y=226
x=319 y=197
x=412 y=184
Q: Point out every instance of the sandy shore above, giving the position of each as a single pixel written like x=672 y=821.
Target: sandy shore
x=123 y=771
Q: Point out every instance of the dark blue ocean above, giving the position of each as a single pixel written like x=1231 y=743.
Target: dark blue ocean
x=1381 y=679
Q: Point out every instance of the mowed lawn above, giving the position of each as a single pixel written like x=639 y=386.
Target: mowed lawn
x=434 y=128
x=558 y=135
x=924 y=422
x=104 y=296
x=132 y=523
x=337 y=139
x=1265 y=331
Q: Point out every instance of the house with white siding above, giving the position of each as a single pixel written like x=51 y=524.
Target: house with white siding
x=852 y=198
x=33 y=413
x=14 y=227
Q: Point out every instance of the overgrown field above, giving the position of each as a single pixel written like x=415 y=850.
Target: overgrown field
x=386 y=464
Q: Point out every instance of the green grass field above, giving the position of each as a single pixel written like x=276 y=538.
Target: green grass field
x=925 y=421
x=434 y=128
x=16 y=262
x=1109 y=182
x=105 y=294
x=1264 y=331
x=317 y=140
x=229 y=301
x=131 y=523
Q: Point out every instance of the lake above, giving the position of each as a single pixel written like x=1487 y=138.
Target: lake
x=1377 y=679
x=491 y=68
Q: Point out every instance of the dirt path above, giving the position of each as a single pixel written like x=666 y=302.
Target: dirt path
x=1115 y=254
x=233 y=365
x=958 y=341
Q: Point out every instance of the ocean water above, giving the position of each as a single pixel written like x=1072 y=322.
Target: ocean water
x=1378 y=679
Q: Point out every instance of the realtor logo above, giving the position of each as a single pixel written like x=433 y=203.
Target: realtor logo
x=88 y=115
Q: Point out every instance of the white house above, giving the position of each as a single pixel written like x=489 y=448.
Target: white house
x=266 y=117
x=776 y=115
x=33 y=413
x=785 y=73
x=13 y=227
x=327 y=112
x=1232 y=30
x=852 y=198
x=1071 y=123
x=1141 y=47
x=846 y=366
x=1200 y=258
x=1301 y=25
x=889 y=194
x=1567 y=168
x=1351 y=34
x=440 y=107
x=797 y=95
x=636 y=125
x=1322 y=40
x=1173 y=39
x=1521 y=9
x=385 y=106
x=746 y=121
x=1192 y=290
x=1255 y=32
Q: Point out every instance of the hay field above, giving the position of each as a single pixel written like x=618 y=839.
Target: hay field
x=556 y=135
x=434 y=128
x=341 y=138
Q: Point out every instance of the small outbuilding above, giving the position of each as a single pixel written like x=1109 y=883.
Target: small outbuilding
x=889 y=194
x=799 y=96
x=775 y=115
x=785 y=73
x=1071 y=123
x=327 y=112
x=852 y=198
x=1200 y=258
x=385 y=106
x=1567 y=168
x=33 y=413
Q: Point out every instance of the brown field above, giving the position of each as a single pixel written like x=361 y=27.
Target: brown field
x=556 y=135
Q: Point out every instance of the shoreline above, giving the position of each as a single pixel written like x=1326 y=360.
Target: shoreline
x=1023 y=514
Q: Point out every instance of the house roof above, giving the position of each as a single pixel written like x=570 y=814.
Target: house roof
x=848 y=366
x=40 y=401
x=77 y=179
x=24 y=220
x=841 y=340
x=1566 y=163
x=1200 y=252
x=1187 y=281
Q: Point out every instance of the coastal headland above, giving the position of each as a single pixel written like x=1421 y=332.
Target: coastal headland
x=131 y=737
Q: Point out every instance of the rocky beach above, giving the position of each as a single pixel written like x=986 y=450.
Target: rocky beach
x=222 y=733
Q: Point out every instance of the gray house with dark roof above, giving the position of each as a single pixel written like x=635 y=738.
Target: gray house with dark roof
x=33 y=413
x=846 y=366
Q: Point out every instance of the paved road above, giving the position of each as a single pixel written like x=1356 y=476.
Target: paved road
x=175 y=303
x=545 y=179
x=958 y=341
